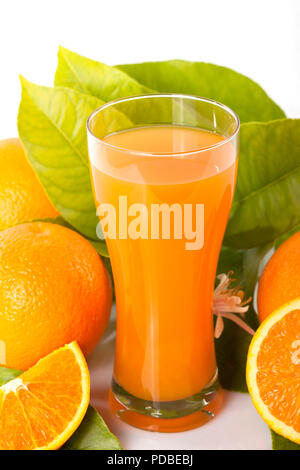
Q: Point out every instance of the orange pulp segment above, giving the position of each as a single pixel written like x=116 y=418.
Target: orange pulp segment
x=273 y=370
x=43 y=407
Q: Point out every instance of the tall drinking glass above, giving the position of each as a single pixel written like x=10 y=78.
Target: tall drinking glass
x=163 y=169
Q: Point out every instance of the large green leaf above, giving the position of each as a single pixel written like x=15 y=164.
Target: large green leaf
x=94 y=78
x=109 y=83
x=267 y=197
x=92 y=434
x=242 y=94
x=238 y=92
x=52 y=126
x=280 y=443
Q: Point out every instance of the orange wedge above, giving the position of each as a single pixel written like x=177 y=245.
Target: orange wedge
x=273 y=370
x=43 y=407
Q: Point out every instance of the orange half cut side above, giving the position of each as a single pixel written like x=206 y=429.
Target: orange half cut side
x=273 y=370
x=42 y=408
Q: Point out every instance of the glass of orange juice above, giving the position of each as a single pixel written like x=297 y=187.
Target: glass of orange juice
x=163 y=168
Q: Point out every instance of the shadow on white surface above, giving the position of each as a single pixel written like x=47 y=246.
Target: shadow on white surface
x=238 y=426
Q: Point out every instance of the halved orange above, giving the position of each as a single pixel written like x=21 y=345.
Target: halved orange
x=43 y=407
x=273 y=370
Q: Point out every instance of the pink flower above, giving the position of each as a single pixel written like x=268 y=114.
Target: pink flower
x=228 y=303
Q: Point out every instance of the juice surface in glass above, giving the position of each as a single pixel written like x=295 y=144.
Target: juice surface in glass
x=164 y=291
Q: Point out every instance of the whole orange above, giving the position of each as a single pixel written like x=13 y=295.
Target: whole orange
x=280 y=280
x=54 y=289
x=22 y=197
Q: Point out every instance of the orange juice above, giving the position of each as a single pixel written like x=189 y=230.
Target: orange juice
x=164 y=284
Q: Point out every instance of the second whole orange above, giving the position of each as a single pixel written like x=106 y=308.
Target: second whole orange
x=54 y=289
x=280 y=280
x=22 y=196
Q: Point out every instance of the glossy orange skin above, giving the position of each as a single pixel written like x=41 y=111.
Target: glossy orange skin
x=54 y=289
x=22 y=197
x=280 y=281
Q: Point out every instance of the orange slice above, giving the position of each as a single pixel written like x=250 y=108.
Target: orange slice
x=43 y=407
x=273 y=370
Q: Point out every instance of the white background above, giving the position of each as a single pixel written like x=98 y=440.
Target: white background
x=260 y=38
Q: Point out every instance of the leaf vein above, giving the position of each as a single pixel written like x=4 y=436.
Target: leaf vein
x=74 y=73
x=267 y=186
x=60 y=131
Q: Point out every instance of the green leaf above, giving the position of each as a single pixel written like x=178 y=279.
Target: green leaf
x=243 y=95
x=280 y=443
x=238 y=92
x=94 y=78
x=107 y=83
x=52 y=126
x=92 y=434
x=231 y=260
x=100 y=247
x=8 y=374
x=232 y=347
x=267 y=197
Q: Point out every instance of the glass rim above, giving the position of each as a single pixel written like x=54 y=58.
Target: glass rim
x=164 y=95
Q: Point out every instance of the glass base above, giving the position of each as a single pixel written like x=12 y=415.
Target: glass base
x=170 y=416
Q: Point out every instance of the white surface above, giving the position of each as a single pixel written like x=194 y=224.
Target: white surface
x=237 y=427
x=259 y=38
